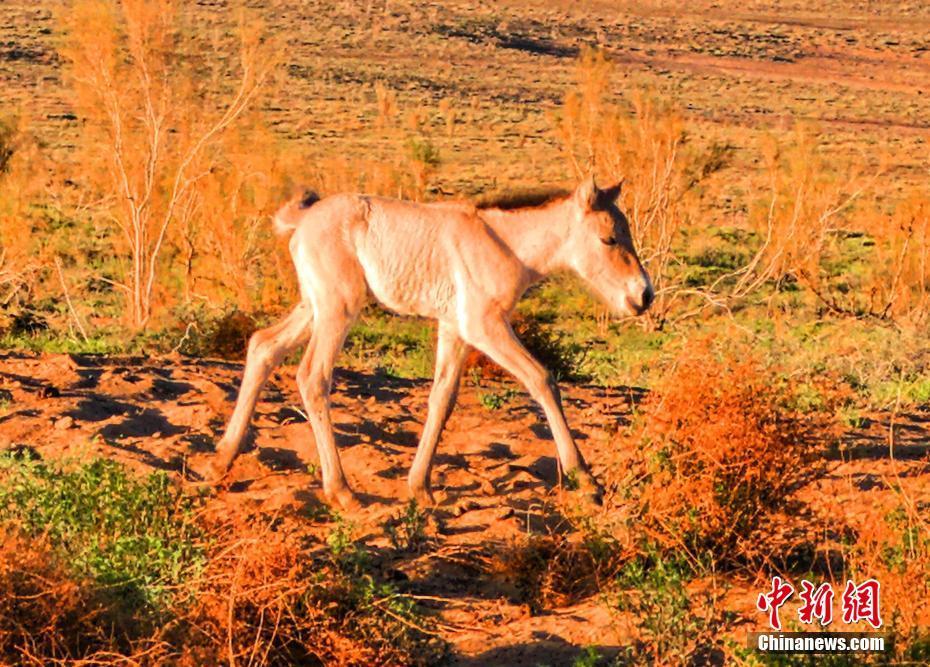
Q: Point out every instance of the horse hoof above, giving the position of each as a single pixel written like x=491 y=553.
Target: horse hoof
x=423 y=497
x=345 y=499
x=216 y=472
x=589 y=490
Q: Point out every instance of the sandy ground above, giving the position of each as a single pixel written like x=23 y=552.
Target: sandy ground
x=494 y=478
x=495 y=475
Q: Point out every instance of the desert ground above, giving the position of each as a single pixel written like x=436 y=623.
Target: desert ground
x=495 y=478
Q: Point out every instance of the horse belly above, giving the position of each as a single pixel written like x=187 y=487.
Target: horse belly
x=407 y=287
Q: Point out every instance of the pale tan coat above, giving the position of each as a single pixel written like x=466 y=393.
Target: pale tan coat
x=462 y=266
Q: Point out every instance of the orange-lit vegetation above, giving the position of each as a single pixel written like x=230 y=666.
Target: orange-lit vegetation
x=180 y=171
x=644 y=145
x=723 y=443
x=21 y=257
x=171 y=159
x=893 y=546
x=262 y=600
x=124 y=569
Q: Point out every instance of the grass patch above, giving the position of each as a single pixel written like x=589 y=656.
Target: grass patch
x=100 y=566
x=676 y=626
x=395 y=346
x=135 y=536
x=495 y=400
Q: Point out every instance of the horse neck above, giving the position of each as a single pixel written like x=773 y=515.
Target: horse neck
x=536 y=236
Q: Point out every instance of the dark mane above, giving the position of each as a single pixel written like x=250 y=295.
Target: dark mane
x=528 y=198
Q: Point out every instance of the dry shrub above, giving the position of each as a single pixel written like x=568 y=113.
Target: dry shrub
x=100 y=566
x=268 y=601
x=48 y=616
x=798 y=222
x=386 y=100
x=645 y=144
x=903 y=252
x=894 y=276
x=404 y=162
x=159 y=145
x=253 y=607
x=223 y=245
x=869 y=260
x=723 y=441
x=894 y=549
x=22 y=255
x=553 y=570
x=225 y=335
x=262 y=599
x=580 y=554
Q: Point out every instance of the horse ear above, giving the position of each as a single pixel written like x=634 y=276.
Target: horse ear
x=587 y=193
x=612 y=194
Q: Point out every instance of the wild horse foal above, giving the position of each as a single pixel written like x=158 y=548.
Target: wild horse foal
x=464 y=266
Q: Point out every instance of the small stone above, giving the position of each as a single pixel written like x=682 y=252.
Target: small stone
x=64 y=423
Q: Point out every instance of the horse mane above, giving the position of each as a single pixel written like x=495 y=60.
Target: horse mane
x=525 y=198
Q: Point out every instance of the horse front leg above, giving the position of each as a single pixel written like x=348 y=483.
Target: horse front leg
x=494 y=336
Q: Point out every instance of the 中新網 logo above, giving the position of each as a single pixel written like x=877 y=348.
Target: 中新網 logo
x=861 y=603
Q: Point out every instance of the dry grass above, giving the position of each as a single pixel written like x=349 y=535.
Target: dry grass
x=722 y=443
x=266 y=600
x=557 y=569
x=893 y=547
x=47 y=616
x=21 y=257
x=895 y=281
x=263 y=599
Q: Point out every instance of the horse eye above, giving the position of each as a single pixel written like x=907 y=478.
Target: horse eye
x=610 y=240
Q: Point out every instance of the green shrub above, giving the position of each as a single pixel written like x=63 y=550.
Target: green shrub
x=135 y=536
x=672 y=630
x=495 y=400
x=407 y=531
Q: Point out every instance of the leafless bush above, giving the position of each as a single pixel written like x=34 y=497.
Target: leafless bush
x=158 y=133
x=644 y=145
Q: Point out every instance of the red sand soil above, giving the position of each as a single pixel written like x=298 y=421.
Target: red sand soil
x=495 y=475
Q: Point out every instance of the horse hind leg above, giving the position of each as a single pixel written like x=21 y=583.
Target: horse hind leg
x=314 y=380
x=451 y=352
x=267 y=349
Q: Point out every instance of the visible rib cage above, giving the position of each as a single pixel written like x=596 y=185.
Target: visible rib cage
x=464 y=266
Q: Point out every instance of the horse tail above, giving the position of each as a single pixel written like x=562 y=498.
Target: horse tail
x=287 y=218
